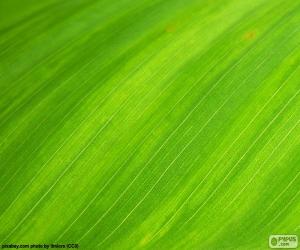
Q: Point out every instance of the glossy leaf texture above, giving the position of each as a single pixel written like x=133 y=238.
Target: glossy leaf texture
x=149 y=124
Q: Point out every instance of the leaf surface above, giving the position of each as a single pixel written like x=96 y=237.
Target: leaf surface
x=149 y=124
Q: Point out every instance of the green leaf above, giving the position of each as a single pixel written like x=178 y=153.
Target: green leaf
x=149 y=124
